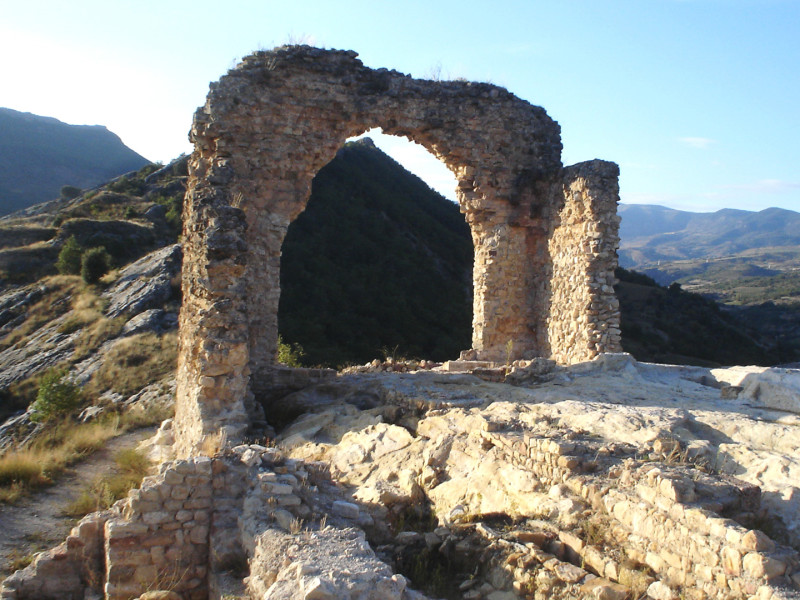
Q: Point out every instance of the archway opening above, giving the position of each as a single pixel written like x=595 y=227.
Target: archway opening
x=379 y=264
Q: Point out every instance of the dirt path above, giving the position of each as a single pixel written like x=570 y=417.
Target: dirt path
x=37 y=521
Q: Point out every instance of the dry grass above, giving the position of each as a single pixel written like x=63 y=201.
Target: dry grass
x=40 y=463
x=132 y=465
x=637 y=578
x=101 y=330
x=19 y=560
x=136 y=361
x=81 y=307
x=58 y=447
x=137 y=417
x=213 y=443
x=87 y=314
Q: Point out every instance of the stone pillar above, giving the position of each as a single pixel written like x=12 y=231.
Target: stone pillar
x=502 y=295
x=584 y=312
x=213 y=353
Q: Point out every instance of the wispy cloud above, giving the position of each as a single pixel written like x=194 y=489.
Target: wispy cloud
x=763 y=186
x=697 y=142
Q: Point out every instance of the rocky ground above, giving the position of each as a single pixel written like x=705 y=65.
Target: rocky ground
x=452 y=512
x=609 y=479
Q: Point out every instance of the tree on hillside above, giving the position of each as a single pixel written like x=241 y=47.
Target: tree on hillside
x=69 y=259
x=95 y=263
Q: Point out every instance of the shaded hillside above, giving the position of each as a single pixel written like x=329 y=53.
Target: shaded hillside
x=57 y=320
x=40 y=155
x=670 y=325
x=128 y=216
x=378 y=262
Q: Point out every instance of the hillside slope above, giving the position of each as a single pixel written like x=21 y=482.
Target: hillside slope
x=651 y=234
x=40 y=155
x=377 y=263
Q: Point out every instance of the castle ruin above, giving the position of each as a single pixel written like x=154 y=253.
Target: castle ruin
x=544 y=235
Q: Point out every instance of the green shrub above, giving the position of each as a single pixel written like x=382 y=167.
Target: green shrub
x=290 y=355
x=69 y=258
x=69 y=192
x=128 y=185
x=174 y=210
x=95 y=263
x=174 y=218
x=57 y=396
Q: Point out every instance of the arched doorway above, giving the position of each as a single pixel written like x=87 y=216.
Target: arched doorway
x=377 y=265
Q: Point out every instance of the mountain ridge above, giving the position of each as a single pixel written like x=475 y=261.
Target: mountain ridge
x=39 y=155
x=652 y=233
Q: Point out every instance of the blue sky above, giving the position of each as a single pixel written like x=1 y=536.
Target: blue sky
x=697 y=100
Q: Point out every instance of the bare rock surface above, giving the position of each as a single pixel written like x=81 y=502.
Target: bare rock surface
x=45 y=349
x=145 y=283
x=428 y=437
x=327 y=564
x=607 y=479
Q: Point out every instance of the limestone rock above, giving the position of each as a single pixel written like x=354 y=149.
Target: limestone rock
x=145 y=283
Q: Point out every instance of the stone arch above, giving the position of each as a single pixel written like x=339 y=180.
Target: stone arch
x=272 y=122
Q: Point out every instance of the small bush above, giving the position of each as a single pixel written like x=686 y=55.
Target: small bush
x=290 y=355
x=57 y=396
x=174 y=210
x=95 y=263
x=128 y=185
x=69 y=258
x=69 y=192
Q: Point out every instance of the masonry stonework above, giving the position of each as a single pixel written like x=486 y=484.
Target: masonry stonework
x=544 y=236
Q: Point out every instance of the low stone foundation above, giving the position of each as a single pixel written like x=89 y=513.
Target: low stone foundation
x=663 y=518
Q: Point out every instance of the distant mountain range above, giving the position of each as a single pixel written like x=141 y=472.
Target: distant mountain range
x=651 y=234
x=40 y=155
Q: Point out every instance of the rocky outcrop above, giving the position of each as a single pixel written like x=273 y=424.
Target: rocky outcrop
x=139 y=297
x=144 y=284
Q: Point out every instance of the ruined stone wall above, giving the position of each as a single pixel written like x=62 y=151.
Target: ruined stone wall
x=155 y=539
x=66 y=571
x=661 y=517
x=267 y=128
x=198 y=518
